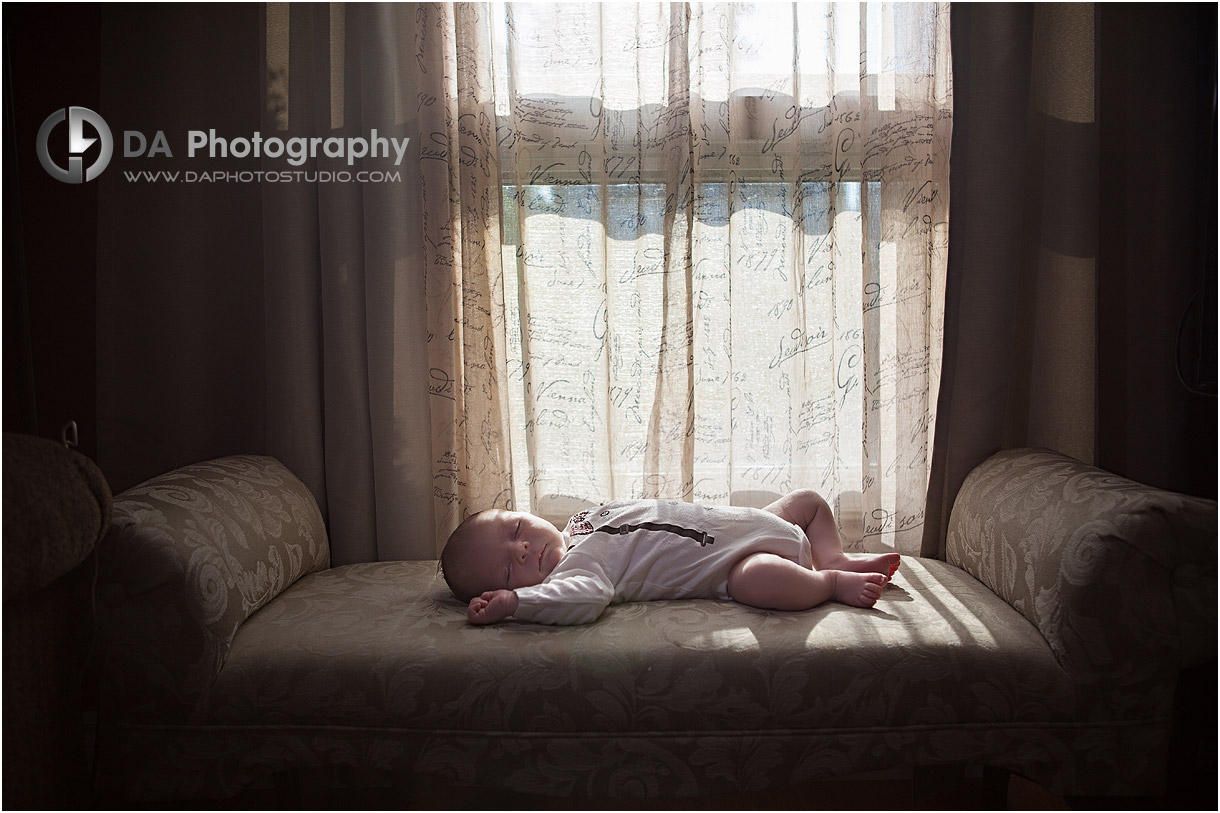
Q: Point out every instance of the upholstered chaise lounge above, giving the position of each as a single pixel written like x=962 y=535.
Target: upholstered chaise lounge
x=1048 y=643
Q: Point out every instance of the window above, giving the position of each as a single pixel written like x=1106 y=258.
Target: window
x=723 y=230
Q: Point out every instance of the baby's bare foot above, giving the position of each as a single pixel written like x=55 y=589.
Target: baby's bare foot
x=858 y=589
x=884 y=563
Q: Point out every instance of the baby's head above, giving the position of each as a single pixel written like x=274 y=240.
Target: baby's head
x=500 y=550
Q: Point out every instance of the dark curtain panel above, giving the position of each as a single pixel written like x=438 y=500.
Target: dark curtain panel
x=281 y=318
x=1077 y=243
x=179 y=265
x=1156 y=297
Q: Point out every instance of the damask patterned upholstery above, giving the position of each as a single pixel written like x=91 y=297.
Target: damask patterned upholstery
x=1047 y=644
x=1119 y=578
x=190 y=556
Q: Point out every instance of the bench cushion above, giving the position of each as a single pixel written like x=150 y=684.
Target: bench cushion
x=377 y=660
x=385 y=645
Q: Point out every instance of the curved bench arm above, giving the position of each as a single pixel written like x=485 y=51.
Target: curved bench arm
x=1119 y=577
x=189 y=556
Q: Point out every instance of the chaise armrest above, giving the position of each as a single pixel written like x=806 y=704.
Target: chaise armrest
x=189 y=556
x=1119 y=577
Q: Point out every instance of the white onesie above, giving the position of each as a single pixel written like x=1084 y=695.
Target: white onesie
x=644 y=550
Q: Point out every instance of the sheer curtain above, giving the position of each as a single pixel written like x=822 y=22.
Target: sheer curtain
x=683 y=251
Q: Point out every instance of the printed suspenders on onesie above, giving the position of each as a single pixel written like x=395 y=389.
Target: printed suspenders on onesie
x=581 y=525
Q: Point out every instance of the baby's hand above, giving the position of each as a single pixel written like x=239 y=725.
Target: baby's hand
x=491 y=607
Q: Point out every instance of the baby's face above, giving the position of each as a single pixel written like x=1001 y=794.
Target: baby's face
x=510 y=549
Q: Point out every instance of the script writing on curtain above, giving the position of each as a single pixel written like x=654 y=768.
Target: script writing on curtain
x=722 y=234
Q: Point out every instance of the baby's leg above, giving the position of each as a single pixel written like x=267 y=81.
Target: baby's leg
x=807 y=509
x=772 y=582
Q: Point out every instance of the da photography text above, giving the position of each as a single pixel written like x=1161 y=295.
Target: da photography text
x=297 y=150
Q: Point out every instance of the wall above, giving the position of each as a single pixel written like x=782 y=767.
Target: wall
x=50 y=228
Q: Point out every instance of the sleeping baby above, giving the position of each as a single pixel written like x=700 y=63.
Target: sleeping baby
x=786 y=556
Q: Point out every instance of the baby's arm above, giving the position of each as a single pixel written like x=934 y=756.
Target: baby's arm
x=493 y=606
x=578 y=597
